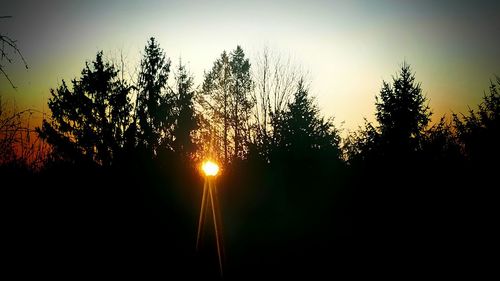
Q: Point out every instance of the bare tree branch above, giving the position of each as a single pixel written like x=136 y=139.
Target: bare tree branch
x=6 y=44
x=7 y=76
x=276 y=77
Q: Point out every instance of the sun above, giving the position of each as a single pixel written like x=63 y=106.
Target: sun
x=210 y=168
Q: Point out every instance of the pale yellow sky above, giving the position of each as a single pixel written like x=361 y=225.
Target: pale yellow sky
x=347 y=47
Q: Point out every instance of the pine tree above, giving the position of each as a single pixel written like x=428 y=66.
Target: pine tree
x=186 y=117
x=402 y=113
x=88 y=121
x=479 y=132
x=155 y=102
x=241 y=102
x=302 y=132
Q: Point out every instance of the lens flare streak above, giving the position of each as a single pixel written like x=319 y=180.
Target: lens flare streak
x=209 y=200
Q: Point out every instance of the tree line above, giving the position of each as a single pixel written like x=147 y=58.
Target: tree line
x=291 y=188
x=243 y=111
x=99 y=117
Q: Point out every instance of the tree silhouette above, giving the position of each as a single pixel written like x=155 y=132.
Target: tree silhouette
x=402 y=113
x=89 y=120
x=302 y=132
x=226 y=90
x=186 y=122
x=241 y=101
x=390 y=205
x=362 y=145
x=10 y=135
x=155 y=102
x=216 y=88
x=399 y=194
x=440 y=144
x=275 y=78
x=479 y=132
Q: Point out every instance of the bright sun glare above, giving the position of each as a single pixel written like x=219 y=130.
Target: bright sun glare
x=210 y=168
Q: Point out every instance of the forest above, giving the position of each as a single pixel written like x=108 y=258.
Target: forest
x=110 y=179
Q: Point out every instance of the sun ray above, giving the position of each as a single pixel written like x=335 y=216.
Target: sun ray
x=209 y=200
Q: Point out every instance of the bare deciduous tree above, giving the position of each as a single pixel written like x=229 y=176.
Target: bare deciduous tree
x=276 y=77
x=19 y=143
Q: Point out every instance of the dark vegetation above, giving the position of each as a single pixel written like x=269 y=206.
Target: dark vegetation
x=120 y=189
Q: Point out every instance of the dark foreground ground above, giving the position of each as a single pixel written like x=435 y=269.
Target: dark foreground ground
x=142 y=220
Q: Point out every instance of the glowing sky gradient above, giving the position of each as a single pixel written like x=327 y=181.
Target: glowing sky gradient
x=347 y=47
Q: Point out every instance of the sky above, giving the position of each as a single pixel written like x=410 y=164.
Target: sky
x=347 y=48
